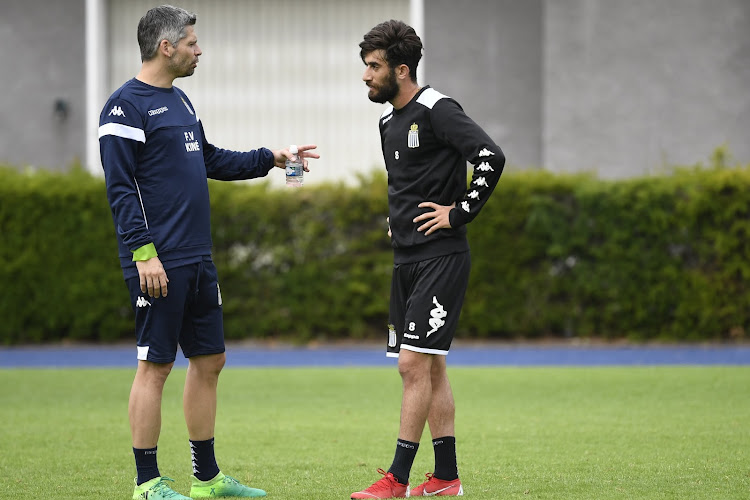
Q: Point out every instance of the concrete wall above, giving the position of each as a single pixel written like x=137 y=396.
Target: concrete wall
x=487 y=54
x=619 y=87
x=632 y=86
x=42 y=61
x=262 y=84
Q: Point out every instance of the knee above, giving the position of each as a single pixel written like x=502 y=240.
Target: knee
x=218 y=362
x=210 y=365
x=412 y=368
x=156 y=373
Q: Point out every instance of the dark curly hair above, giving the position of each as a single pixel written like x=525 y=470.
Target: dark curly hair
x=398 y=41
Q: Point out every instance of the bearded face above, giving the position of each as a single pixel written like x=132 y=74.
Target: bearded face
x=385 y=89
x=184 y=60
x=379 y=77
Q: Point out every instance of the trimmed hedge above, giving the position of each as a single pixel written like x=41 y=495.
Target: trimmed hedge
x=58 y=260
x=664 y=257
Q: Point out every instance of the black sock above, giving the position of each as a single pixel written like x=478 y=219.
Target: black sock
x=204 y=460
x=145 y=464
x=445 y=458
x=402 y=462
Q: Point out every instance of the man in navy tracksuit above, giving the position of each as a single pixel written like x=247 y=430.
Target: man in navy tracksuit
x=156 y=161
x=426 y=139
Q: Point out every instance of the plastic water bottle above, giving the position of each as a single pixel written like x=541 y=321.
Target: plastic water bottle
x=294 y=169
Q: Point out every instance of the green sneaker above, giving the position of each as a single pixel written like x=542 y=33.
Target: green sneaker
x=222 y=486
x=157 y=489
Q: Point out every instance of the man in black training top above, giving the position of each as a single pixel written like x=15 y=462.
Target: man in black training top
x=426 y=139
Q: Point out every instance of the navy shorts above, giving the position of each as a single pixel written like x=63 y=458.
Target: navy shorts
x=426 y=301
x=190 y=315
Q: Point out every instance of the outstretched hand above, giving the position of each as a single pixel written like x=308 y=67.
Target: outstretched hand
x=439 y=218
x=280 y=156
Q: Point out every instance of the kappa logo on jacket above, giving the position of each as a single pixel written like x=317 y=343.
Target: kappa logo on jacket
x=141 y=302
x=481 y=181
x=116 y=111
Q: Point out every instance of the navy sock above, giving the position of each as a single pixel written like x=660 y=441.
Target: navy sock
x=145 y=464
x=403 y=460
x=204 y=460
x=445 y=458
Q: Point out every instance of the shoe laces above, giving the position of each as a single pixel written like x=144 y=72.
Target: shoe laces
x=385 y=483
x=163 y=488
x=231 y=480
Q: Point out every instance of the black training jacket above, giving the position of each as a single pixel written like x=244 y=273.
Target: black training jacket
x=426 y=145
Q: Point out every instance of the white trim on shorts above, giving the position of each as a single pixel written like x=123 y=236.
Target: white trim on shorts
x=423 y=350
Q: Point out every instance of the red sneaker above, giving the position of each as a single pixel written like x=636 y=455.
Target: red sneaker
x=435 y=487
x=385 y=487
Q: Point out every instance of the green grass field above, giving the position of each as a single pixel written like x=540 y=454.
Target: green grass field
x=309 y=433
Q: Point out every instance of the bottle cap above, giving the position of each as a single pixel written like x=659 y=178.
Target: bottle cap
x=293 y=149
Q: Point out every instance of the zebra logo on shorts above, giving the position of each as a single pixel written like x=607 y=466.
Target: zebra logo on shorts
x=436 y=316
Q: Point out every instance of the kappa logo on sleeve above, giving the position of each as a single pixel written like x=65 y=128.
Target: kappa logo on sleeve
x=116 y=111
x=481 y=181
x=486 y=152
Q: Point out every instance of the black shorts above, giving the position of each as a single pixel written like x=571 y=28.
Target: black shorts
x=426 y=301
x=190 y=315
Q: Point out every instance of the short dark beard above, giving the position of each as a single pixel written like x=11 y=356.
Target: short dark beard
x=388 y=91
x=181 y=69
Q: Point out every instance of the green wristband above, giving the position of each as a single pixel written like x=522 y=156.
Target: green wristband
x=145 y=252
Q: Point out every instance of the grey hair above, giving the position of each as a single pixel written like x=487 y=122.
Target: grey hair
x=163 y=22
